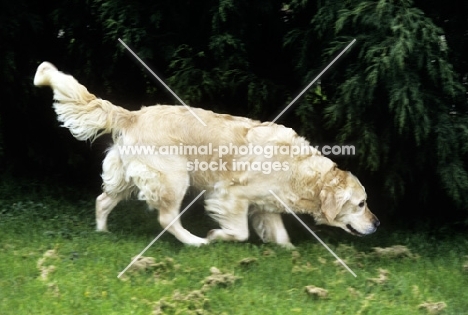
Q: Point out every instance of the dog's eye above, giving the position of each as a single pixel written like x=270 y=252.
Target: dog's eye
x=361 y=204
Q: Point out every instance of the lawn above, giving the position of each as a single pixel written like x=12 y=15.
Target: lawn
x=53 y=262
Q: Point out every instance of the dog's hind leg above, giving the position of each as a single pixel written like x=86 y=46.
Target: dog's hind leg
x=114 y=185
x=168 y=219
x=104 y=205
x=269 y=226
x=231 y=216
x=164 y=190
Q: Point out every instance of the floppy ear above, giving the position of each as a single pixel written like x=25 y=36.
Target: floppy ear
x=332 y=200
x=328 y=204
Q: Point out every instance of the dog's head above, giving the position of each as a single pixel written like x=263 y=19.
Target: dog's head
x=343 y=204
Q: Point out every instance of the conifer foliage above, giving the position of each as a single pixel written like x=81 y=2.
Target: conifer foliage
x=395 y=96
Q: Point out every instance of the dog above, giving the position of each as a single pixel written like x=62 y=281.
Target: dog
x=255 y=177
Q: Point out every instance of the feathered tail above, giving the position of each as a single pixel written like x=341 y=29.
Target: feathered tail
x=87 y=116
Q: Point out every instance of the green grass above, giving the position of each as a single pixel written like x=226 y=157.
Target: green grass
x=87 y=264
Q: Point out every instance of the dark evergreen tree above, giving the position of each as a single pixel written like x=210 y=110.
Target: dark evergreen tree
x=395 y=97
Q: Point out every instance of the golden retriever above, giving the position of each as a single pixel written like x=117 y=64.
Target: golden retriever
x=236 y=160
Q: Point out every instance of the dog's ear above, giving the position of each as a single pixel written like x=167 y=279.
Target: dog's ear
x=332 y=199
x=328 y=206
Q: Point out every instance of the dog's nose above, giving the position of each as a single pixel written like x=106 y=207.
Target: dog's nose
x=376 y=222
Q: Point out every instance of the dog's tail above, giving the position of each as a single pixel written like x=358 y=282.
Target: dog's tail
x=87 y=116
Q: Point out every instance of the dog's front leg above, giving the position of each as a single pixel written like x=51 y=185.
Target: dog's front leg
x=270 y=228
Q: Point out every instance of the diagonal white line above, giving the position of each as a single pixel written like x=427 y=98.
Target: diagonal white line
x=162 y=82
x=160 y=234
x=313 y=81
x=312 y=232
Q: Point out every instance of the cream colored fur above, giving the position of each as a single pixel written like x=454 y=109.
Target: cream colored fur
x=311 y=184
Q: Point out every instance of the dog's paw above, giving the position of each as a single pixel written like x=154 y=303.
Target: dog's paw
x=198 y=242
x=102 y=231
x=218 y=235
x=287 y=246
x=211 y=236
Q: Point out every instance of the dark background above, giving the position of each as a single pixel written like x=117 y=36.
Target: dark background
x=399 y=95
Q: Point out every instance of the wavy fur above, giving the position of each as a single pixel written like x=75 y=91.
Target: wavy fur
x=87 y=116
